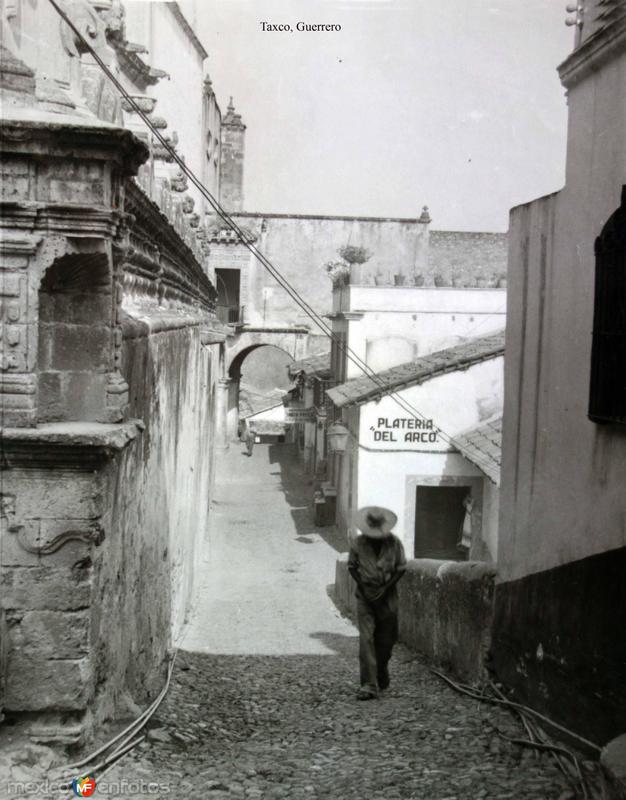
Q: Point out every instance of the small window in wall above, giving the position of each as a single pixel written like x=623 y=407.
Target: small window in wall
x=607 y=395
x=439 y=516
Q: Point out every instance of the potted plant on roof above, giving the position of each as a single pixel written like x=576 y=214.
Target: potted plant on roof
x=353 y=254
x=340 y=271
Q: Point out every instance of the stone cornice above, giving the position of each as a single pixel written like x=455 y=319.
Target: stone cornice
x=223 y=234
x=216 y=334
x=594 y=52
x=33 y=217
x=144 y=322
x=303 y=329
x=170 y=261
x=81 y=446
x=134 y=67
x=71 y=139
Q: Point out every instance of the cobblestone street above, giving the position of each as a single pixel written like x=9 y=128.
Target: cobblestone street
x=262 y=699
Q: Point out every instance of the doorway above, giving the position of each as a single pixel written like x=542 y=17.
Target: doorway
x=439 y=515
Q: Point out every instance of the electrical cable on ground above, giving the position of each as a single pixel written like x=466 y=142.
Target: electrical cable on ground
x=280 y=279
x=127 y=735
x=510 y=703
x=537 y=737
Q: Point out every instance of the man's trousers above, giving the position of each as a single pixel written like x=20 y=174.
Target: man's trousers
x=378 y=632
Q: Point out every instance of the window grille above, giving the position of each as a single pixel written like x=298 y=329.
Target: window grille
x=607 y=395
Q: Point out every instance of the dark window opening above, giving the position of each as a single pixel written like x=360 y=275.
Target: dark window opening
x=439 y=516
x=607 y=394
x=228 y=309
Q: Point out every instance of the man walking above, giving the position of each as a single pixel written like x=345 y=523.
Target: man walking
x=376 y=562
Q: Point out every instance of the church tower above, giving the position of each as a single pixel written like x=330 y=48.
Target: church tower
x=231 y=181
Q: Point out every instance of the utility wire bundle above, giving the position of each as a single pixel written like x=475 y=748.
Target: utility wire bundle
x=232 y=224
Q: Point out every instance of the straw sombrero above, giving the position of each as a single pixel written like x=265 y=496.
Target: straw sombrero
x=375 y=521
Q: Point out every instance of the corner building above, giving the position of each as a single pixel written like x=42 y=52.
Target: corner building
x=560 y=602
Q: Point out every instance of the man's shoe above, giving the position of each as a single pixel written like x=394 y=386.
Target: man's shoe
x=383 y=679
x=365 y=694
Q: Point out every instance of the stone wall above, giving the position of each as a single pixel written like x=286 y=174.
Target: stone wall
x=158 y=499
x=467 y=258
x=446 y=610
x=107 y=445
x=300 y=246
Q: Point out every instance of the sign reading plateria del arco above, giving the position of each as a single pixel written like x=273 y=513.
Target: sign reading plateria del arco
x=403 y=433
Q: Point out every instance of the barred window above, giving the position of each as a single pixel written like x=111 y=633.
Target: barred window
x=607 y=396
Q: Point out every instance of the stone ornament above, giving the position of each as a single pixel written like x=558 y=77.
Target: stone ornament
x=90 y=25
x=94 y=535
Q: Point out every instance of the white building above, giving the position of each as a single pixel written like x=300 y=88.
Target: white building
x=388 y=325
x=402 y=449
x=560 y=598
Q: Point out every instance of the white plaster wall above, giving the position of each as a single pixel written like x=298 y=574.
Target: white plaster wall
x=179 y=98
x=383 y=472
x=394 y=324
x=300 y=246
x=384 y=479
x=456 y=402
x=563 y=476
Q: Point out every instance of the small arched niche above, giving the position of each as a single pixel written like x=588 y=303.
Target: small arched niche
x=75 y=338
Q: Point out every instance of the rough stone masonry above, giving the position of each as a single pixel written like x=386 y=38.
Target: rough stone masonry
x=107 y=385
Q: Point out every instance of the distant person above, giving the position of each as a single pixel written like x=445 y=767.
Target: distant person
x=249 y=438
x=376 y=562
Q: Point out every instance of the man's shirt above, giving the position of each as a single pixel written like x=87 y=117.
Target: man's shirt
x=375 y=570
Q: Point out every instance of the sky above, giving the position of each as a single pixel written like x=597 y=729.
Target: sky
x=454 y=104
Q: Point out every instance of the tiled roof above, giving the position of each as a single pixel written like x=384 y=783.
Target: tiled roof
x=459 y=357
x=252 y=401
x=482 y=446
x=268 y=427
x=312 y=365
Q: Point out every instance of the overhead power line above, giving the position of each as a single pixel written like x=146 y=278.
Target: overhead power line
x=232 y=224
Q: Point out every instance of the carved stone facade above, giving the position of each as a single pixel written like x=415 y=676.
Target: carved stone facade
x=110 y=357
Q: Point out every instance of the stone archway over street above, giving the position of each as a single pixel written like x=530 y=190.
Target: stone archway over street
x=295 y=341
